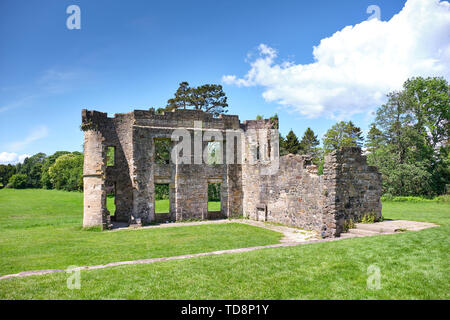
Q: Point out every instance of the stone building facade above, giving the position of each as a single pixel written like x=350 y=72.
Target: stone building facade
x=254 y=181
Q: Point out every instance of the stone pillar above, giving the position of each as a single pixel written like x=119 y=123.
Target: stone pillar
x=95 y=212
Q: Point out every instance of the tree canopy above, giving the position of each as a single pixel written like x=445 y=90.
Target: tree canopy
x=409 y=140
x=291 y=143
x=342 y=134
x=309 y=143
x=207 y=97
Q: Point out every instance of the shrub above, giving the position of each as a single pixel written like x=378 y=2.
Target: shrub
x=368 y=218
x=443 y=198
x=349 y=224
x=161 y=191
x=18 y=181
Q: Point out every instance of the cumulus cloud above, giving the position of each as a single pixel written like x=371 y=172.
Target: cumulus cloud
x=36 y=134
x=12 y=158
x=358 y=65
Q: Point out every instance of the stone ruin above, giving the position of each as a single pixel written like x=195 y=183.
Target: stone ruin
x=254 y=181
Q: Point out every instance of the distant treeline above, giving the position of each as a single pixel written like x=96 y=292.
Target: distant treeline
x=62 y=170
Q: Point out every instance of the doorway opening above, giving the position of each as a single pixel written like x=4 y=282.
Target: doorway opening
x=214 y=199
x=111 y=199
x=162 y=199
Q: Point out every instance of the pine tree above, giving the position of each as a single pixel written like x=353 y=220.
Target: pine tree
x=208 y=97
x=292 y=145
x=375 y=138
x=309 y=143
x=181 y=99
x=282 y=145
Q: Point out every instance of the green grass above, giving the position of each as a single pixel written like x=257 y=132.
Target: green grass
x=413 y=265
x=162 y=206
x=213 y=205
x=41 y=229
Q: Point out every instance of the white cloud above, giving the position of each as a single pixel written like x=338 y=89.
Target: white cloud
x=36 y=134
x=357 y=66
x=12 y=158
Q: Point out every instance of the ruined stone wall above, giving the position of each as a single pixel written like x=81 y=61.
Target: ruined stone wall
x=358 y=186
x=94 y=171
x=296 y=195
x=188 y=182
x=258 y=183
x=255 y=161
x=118 y=135
x=134 y=174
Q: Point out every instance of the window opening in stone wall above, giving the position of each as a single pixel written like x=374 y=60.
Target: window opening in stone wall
x=214 y=200
x=162 y=201
x=214 y=156
x=162 y=150
x=110 y=156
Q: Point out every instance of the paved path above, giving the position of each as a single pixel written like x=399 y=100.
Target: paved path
x=292 y=237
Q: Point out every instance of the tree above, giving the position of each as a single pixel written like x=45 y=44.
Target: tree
x=291 y=144
x=213 y=191
x=412 y=150
x=181 y=99
x=163 y=147
x=32 y=168
x=429 y=99
x=67 y=172
x=375 y=138
x=342 y=134
x=401 y=179
x=46 y=182
x=282 y=145
x=6 y=171
x=18 y=181
x=208 y=97
x=309 y=143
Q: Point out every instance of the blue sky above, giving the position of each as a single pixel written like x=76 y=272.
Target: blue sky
x=132 y=55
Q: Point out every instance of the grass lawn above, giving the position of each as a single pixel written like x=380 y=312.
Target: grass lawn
x=41 y=229
x=213 y=205
x=413 y=265
x=162 y=206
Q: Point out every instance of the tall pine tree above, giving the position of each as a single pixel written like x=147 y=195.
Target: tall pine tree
x=309 y=143
x=375 y=138
x=282 y=145
x=291 y=144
